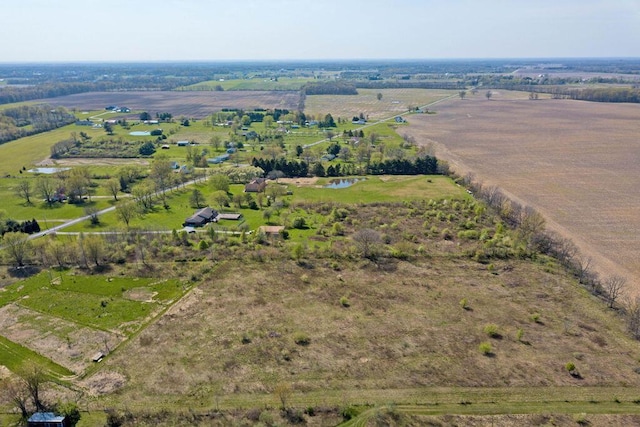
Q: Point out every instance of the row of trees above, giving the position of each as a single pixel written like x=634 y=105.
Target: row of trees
x=29 y=120
x=532 y=233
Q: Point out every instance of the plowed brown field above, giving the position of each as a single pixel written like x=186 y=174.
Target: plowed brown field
x=576 y=162
x=187 y=104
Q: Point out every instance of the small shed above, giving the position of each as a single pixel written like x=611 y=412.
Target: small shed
x=182 y=143
x=46 y=419
x=229 y=216
x=98 y=357
x=271 y=230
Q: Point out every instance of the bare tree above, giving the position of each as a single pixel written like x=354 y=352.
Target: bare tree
x=632 y=311
x=367 y=242
x=16 y=393
x=34 y=378
x=613 y=287
x=23 y=189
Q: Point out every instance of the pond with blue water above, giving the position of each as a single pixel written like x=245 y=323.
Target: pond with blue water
x=47 y=171
x=343 y=182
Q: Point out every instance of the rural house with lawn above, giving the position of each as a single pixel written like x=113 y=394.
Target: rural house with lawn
x=201 y=218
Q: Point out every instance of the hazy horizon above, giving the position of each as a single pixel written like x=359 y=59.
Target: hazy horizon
x=284 y=30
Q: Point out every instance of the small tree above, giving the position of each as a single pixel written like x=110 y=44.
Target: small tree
x=488 y=94
x=113 y=187
x=23 y=189
x=126 y=212
x=196 y=199
x=613 y=287
x=283 y=392
x=17 y=246
x=379 y=96
x=462 y=94
x=367 y=241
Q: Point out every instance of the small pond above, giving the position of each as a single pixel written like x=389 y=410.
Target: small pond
x=48 y=171
x=343 y=182
x=139 y=133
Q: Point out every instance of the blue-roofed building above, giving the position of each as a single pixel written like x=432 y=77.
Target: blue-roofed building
x=46 y=419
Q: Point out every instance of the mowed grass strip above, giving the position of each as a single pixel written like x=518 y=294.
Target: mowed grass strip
x=16 y=357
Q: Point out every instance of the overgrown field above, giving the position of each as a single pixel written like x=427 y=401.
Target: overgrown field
x=576 y=162
x=448 y=302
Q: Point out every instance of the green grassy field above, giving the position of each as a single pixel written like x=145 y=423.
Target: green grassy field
x=255 y=83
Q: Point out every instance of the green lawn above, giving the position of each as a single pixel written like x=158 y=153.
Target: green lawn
x=255 y=83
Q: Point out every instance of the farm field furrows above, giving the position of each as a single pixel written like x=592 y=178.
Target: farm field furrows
x=576 y=162
x=188 y=103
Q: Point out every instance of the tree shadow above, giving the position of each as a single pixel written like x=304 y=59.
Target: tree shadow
x=23 y=272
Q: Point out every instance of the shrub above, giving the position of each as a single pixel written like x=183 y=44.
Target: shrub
x=491 y=330
x=266 y=418
x=301 y=338
x=485 y=348
x=299 y=223
x=520 y=334
x=447 y=234
x=344 y=301
x=464 y=304
x=535 y=317
x=570 y=367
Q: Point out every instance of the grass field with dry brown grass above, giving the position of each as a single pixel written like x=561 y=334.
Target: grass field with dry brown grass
x=187 y=104
x=343 y=330
x=393 y=101
x=576 y=162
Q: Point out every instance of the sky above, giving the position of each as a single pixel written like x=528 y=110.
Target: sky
x=214 y=30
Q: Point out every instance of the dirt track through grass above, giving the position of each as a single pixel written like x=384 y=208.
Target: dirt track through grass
x=576 y=162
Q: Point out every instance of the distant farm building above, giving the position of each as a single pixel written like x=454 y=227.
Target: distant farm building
x=256 y=186
x=183 y=143
x=218 y=159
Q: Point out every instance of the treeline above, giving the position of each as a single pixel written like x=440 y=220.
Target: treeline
x=384 y=84
x=11 y=225
x=290 y=168
x=427 y=165
x=614 y=94
x=423 y=165
x=533 y=237
x=10 y=94
x=29 y=120
x=330 y=88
